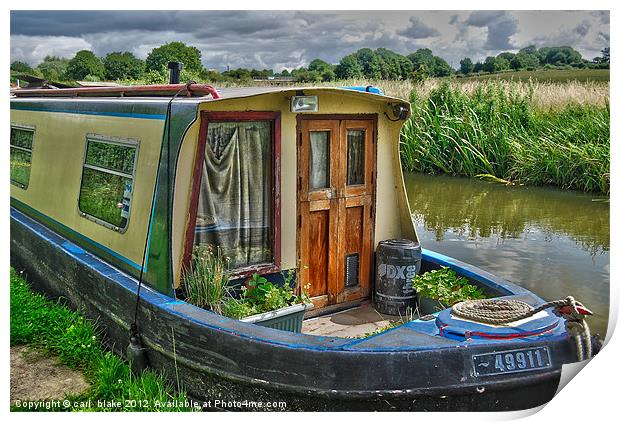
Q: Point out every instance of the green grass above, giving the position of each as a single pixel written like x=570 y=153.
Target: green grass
x=496 y=131
x=55 y=329
x=542 y=75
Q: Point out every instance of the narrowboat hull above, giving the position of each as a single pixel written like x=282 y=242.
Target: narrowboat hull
x=217 y=358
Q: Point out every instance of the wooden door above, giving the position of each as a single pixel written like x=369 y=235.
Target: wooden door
x=335 y=190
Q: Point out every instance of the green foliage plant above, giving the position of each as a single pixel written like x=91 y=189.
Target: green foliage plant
x=260 y=295
x=206 y=280
x=445 y=286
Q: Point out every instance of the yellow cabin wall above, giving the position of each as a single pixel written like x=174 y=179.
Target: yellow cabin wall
x=62 y=135
x=393 y=217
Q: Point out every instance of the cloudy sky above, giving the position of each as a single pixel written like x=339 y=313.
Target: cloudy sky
x=288 y=39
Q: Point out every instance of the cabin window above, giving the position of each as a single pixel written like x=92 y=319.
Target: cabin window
x=22 y=139
x=236 y=202
x=107 y=180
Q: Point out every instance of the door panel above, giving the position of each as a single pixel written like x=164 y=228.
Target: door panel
x=335 y=199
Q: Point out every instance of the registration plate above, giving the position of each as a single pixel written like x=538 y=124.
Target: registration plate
x=511 y=361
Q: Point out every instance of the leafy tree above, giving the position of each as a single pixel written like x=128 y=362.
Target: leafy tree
x=328 y=75
x=348 y=68
x=423 y=61
x=605 y=57
x=530 y=49
x=319 y=65
x=489 y=64
x=467 y=66
x=506 y=55
x=524 y=61
x=324 y=71
x=441 y=67
x=175 y=51
x=305 y=75
x=559 y=56
x=478 y=67
x=239 y=74
x=211 y=75
x=501 y=64
x=21 y=67
x=263 y=74
x=605 y=52
x=123 y=66
x=394 y=65
x=54 y=68
x=83 y=64
x=370 y=63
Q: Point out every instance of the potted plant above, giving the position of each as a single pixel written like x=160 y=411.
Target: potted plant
x=206 y=284
x=440 y=289
x=270 y=305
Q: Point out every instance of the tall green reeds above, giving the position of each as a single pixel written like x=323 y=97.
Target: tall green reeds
x=495 y=130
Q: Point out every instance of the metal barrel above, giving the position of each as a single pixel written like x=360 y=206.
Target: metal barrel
x=397 y=263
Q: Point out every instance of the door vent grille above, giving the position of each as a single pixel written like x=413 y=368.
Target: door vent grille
x=351 y=271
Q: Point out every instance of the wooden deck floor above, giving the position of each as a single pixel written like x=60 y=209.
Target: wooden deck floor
x=349 y=323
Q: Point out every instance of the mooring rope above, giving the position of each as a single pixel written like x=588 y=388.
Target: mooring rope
x=501 y=312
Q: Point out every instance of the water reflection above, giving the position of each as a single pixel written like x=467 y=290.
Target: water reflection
x=550 y=241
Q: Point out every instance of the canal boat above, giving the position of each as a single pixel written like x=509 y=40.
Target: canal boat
x=113 y=187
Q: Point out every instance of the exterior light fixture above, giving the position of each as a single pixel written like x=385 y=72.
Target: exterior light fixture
x=305 y=103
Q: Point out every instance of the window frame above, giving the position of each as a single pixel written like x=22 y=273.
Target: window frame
x=238 y=116
x=32 y=129
x=113 y=140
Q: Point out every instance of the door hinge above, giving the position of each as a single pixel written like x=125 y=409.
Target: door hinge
x=299 y=183
x=300 y=138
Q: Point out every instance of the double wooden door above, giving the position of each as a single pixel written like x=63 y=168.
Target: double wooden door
x=335 y=191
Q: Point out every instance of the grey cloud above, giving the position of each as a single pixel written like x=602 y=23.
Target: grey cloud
x=604 y=36
x=583 y=28
x=277 y=39
x=602 y=15
x=500 y=26
x=484 y=17
x=418 y=29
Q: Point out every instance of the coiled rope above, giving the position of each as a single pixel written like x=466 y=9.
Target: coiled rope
x=502 y=312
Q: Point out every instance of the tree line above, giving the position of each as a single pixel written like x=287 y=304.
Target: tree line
x=531 y=58
x=381 y=63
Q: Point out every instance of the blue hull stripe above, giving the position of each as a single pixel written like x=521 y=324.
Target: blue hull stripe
x=94 y=113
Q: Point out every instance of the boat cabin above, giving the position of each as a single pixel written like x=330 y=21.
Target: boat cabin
x=278 y=178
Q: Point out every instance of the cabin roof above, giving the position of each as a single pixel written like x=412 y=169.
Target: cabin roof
x=224 y=94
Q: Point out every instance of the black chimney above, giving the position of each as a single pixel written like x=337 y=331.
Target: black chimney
x=175 y=72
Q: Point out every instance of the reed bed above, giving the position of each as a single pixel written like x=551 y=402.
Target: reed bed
x=497 y=130
x=542 y=95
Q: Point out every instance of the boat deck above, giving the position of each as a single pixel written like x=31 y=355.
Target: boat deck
x=353 y=322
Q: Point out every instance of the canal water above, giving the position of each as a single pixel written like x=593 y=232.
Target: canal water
x=553 y=242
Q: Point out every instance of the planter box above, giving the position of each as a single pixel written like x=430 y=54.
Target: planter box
x=427 y=306
x=286 y=319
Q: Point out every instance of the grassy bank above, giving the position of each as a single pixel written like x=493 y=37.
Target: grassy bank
x=57 y=330
x=546 y=75
x=497 y=129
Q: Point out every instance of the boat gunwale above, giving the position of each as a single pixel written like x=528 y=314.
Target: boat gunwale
x=207 y=319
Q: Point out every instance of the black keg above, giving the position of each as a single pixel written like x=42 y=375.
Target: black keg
x=397 y=263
